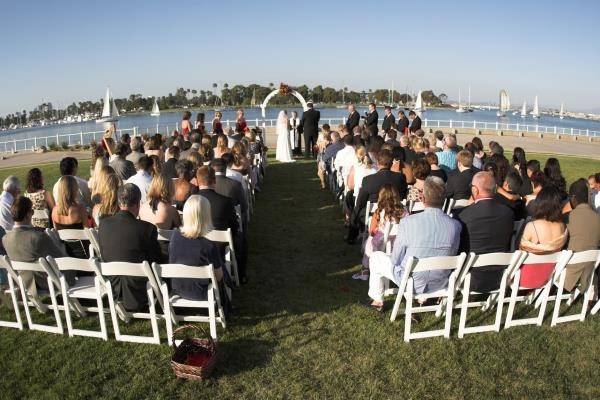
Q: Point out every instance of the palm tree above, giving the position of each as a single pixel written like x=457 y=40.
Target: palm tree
x=271 y=85
x=214 y=85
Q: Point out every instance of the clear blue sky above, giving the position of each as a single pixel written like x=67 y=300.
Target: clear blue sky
x=62 y=51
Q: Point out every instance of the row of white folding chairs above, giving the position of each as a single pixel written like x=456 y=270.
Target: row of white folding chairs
x=99 y=286
x=460 y=280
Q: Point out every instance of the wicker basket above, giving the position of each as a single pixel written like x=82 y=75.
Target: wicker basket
x=191 y=346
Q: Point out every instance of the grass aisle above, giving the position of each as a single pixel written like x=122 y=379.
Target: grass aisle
x=298 y=332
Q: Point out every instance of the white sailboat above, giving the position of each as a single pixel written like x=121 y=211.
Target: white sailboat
x=155 y=110
x=561 y=114
x=535 y=113
x=469 y=108
x=524 y=110
x=504 y=103
x=419 y=107
x=460 y=109
x=109 y=110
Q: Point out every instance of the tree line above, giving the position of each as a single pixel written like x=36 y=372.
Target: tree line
x=224 y=96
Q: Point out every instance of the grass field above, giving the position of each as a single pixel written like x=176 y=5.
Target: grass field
x=299 y=332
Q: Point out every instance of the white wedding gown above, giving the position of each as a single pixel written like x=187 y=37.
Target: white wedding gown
x=284 y=147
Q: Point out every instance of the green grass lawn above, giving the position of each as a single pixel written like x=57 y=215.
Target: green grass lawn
x=299 y=332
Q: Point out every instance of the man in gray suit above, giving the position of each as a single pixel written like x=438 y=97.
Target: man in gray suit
x=136 y=150
x=229 y=187
x=24 y=243
x=123 y=168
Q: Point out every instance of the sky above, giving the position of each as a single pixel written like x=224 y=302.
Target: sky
x=64 y=51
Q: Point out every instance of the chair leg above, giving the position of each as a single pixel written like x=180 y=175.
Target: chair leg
x=153 y=320
x=113 y=311
x=63 y=289
x=500 y=306
x=513 y=299
x=211 y=314
x=396 y=306
x=25 y=299
x=168 y=316
x=544 y=301
x=464 y=306
x=100 y=306
x=59 y=326
x=408 y=310
x=558 y=299
x=13 y=295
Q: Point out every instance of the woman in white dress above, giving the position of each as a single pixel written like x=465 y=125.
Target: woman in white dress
x=284 y=148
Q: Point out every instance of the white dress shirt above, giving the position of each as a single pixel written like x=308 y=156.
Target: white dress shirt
x=142 y=180
x=344 y=160
x=6 y=219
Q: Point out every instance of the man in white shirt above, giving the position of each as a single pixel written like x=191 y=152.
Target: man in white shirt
x=10 y=190
x=345 y=158
x=68 y=166
x=142 y=177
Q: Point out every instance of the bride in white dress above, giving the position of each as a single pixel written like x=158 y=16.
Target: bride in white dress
x=284 y=148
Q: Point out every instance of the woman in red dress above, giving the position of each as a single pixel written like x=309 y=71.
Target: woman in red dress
x=240 y=122
x=186 y=126
x=217 y=126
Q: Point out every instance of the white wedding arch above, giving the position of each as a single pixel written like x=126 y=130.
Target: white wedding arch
x=294 y=93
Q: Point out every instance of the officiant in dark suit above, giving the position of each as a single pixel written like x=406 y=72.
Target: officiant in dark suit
x=353 y=119
x=388 y=120
x=415 y=125
x=309 y=126
x=371 y=118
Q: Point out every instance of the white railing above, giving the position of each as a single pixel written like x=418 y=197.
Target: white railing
x=83 y=138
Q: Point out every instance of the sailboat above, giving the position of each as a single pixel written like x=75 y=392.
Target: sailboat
x=561 y=114
x=419 y=107
x=524 y=110
x=110 y=113
x=536 y=111
x=155 y=110
x=460 y=109
x=504 y=104
x=469 y=108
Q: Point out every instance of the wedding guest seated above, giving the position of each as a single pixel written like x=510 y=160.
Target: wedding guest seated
x=400 y=165
x=388 y=213
x=124 y=168
x=183 y=186
x=168 y=168
x=447 y=157
x=391 y=138
x=154 y=146
x=104 y=194
x=188 y=246
x=421 y=171
x=222 y=208
x=409 y=153
x=42 y=200
x=11 y=188
x=143 y=176
x=487 y=227
x=370 y=190
x=222 y=146
x=123 y=237
x=69 y=167
x=231 y=173
x=459 y=181
x=363 y=167
x=345 y=158
x=508 y=196
x=519 y=163
x=27 y=244
x=136 y=150
x=544 y=234
x=538 y=181
x=479 y=156
x=229 y=187
x=432 y=159
x=323 y=142
x=331 y=151
x=240 y=159
x=158 y=209
x=206 y=152
x=438 y=235
x=555 y=177
x=583 y=224
x=68 y=214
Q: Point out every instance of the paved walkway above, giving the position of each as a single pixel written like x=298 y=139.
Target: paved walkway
x=29 y=158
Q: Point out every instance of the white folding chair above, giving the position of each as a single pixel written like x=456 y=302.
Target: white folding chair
x=406 y=289
x=85 y=287
x=369 y=210
x=164 y=235
x=415 y=206
x=141 y=270
x=590 y=256
x=230 y=258
x=559 y=259
x=517 y=225
x=511 y=261
x=92 y=236
x=12 y=278
x=171 y=302
x=238 y=214
x=17 y=268
x=71 y=235
x=452 y=204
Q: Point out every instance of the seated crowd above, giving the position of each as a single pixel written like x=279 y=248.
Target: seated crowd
x=139 y=187
x=414 y=177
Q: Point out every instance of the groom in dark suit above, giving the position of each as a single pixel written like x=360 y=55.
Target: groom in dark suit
x=309 y=125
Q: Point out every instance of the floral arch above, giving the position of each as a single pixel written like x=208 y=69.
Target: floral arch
x=283 y=90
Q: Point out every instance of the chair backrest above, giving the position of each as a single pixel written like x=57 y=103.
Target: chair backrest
x=70 y=264
x=559 y=259
x=437 y=263
x=92 y=236
x=164 y=235
x=184 y=271
x=511 y=260
x=72 y=235
x=220 y=236
x=414 y=206
x=584 y=257
x=41 y=265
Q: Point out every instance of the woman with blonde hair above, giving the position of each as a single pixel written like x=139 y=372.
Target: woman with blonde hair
x=363 y=167
x=222 y=146
x=158 y=208
x=217 y=126
x=68 y=214
x=323 y=141
x=104 y=194
x=189 y=246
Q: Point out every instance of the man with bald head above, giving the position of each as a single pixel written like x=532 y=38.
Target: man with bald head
x=487 y=227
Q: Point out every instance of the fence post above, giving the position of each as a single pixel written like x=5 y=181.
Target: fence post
x=496 y=125
x=587 y=132
x=571 y=131
x=81 y=138
x=35 y=143
x=474 y=125
x=450 y=123
x=57 y=140
x=256 y=122
x=15 y=145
